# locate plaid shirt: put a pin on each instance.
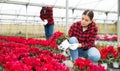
(86, 38)
(46, 13)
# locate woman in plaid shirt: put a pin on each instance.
(84, 32)
(46, 14)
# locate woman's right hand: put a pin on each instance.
(74, 46)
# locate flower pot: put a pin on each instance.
(104, 65)
(115, 65)
(119, 64)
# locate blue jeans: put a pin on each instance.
(48, 30)
(92, 53)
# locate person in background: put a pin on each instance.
(46, 15)
(84, 32)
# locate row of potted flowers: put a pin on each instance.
(25, 58)
(110, 54)
(20, 54)
(107, 37)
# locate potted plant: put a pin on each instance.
(115, 59)
(82, 64)
(104, 57)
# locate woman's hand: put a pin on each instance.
(79, 45)
(74, 46)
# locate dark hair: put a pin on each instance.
(89, 13)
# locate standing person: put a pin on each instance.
(84, 32)
(46, 15)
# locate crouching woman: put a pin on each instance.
(84, 32)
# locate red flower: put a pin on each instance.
(118, 48)
(56, 35)
(110, 49)
(80, 62)
(104, 53)
(60, 57)
(87, 65)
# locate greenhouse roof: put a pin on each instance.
(18, 10)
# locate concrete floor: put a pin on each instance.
(111, 69)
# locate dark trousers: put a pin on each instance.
(48, 30)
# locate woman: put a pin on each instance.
(46, 15)
(84, 32)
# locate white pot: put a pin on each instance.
(115, 64)
(104, 65)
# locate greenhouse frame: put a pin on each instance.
(20, 22)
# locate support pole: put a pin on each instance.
(26, 23)
(118, 23)
(67, 17)
(106, 29)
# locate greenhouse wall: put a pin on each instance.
(37, 30)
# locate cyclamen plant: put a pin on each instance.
(87, 65)
(21, 57)
(104, 55)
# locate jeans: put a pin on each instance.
(48, 30)
(92, 53)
